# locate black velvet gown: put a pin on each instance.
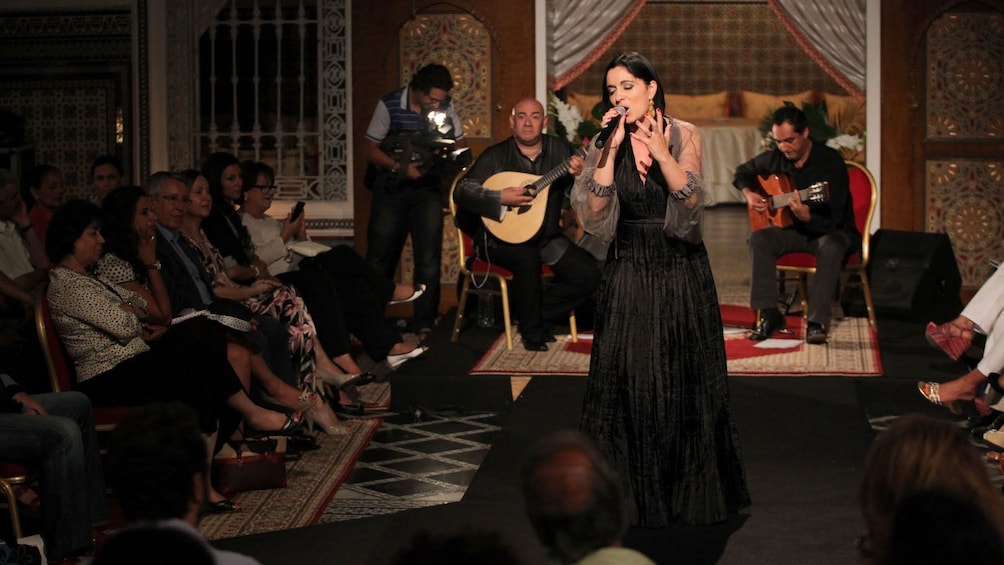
(657, 397)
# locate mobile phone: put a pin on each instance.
(297, 210)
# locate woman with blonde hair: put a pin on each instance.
(920, 454)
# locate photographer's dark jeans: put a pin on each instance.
(418, 211)
(63, 447)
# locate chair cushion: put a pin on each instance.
(799, 260)
(12, 469)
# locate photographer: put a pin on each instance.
(406, 176)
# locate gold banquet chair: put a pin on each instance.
(864, 193)
(476, 274)
(12, 474)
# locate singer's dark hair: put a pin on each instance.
(639, 67)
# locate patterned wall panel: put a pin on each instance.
(67, 122)
(702, 47)
(965, 199)
(85, 57)
(965, 76)
(463, 45)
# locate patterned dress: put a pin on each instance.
(657, 398)
(282, 303)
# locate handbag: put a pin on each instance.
(250, 464)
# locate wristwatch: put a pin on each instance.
(154, 265)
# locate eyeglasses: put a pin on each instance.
(175, 198)
(266, 188)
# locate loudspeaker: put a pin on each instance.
(914, 276)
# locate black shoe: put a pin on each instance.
(531, 344)
(815, 333)
(770, 321)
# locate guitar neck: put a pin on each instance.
(554, 174)
(781, 200)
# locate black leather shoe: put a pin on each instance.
(530, 344)
(770, 321)
(222, 506)
(815, 333)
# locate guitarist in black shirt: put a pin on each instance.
(486, 193)
(825, 229)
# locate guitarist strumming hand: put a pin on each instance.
(510, 204)
(824, 228)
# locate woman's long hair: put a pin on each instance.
(921, 454)
(223, 211)
(640, 67)
(118, 211)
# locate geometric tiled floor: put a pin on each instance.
(411, 464)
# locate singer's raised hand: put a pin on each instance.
(654, 134)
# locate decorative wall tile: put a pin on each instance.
(965, 76)
(965, 199)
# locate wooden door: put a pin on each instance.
(943, 125)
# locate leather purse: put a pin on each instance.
(250, 464)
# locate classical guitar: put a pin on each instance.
(778, 190)
(522, 223)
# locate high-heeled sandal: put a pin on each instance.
(294, 422)
(395, 361)
(931, 391)
(419, 291)
(321, 416)
(942, 338)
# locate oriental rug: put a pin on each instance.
(311, 484)
(851, 350)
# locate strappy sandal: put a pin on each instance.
(931, 391)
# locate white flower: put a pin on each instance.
(844, 140)
(567, 115)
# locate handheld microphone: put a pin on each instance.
(601, 139)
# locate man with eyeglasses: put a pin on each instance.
(825, 229)
(407, 193)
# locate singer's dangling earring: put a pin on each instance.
(651, 108)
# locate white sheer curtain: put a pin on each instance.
(579, 31)
(833, 33)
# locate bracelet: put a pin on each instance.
(687, 189)
(257, 273)
(598, 189)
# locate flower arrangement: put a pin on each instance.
(567, 122)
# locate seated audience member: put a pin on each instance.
(43, 192)
(467, 548)
(266, 297)
(54, 433)
(188, 284)
(955, 338)
(154, 546)
(106, 176)
(22, 254)
(119, 360)
(935, 528)
(130, 261)
(918, 454)
(158, 473)
(362, 293)
(575, 502)
(23, 276)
